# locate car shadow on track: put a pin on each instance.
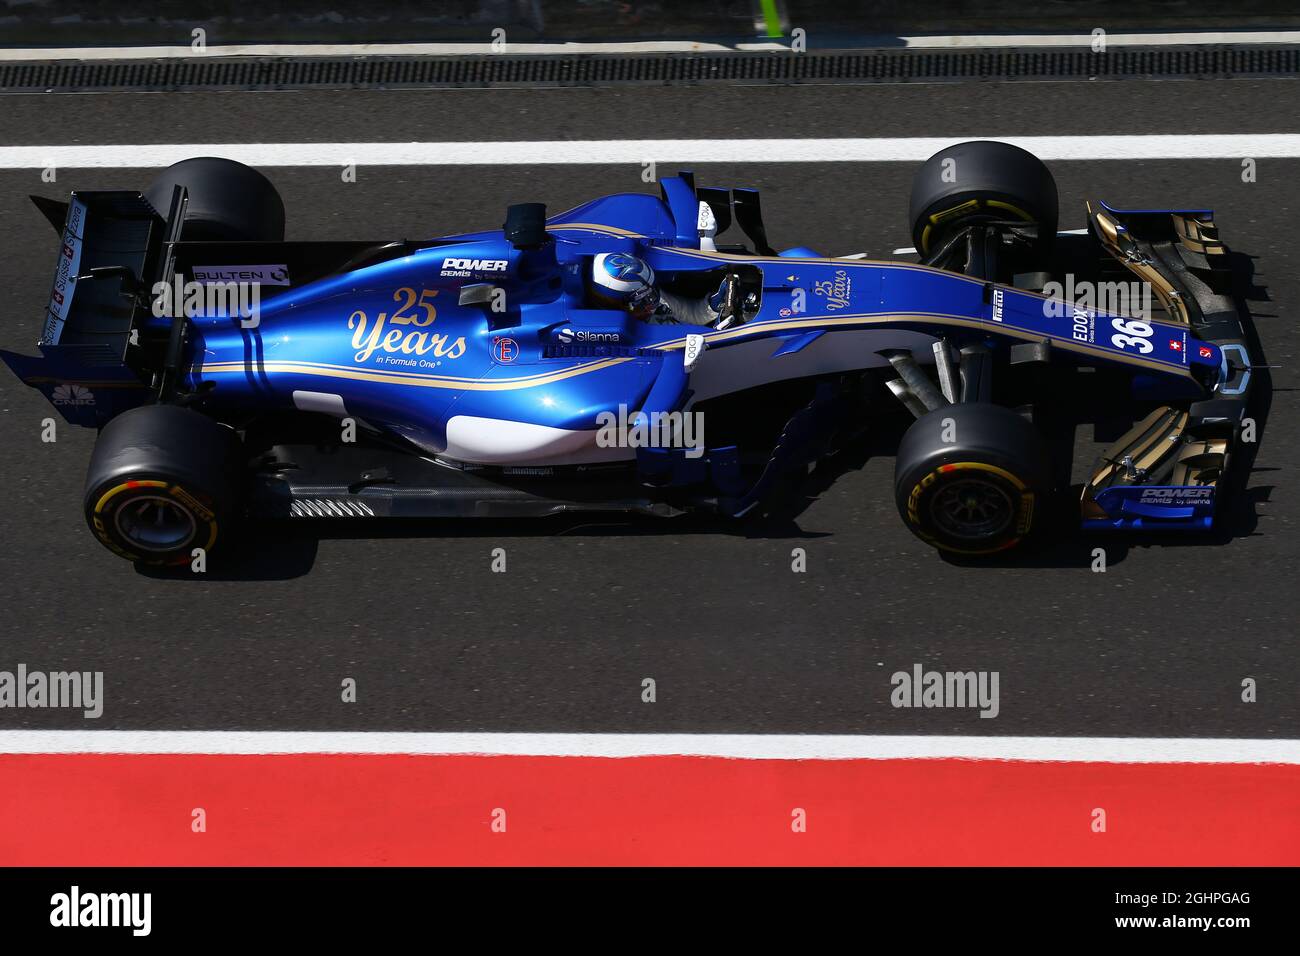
(1068, 546)
(283, 549)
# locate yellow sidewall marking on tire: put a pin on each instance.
(999, 204)
(184, 496)
(126, 486)
(980, 466)
(969, 205)
(1024, 514)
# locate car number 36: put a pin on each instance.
(1132, 336)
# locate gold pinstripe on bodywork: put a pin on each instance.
(752, 329)
(824, 260)
(596, 227)
(937, 318)
(929, 318)
(414, 379)
(712, 338)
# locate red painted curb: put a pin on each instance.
(342, 810)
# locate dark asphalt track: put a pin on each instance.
(1157, 646)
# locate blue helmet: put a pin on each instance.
(622, 281)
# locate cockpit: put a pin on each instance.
(719, 298)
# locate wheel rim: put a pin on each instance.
(154, 523)
(972, 509)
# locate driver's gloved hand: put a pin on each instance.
(726, 303)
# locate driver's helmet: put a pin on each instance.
(620, 280)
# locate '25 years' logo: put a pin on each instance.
(417, 311)
(836, 290)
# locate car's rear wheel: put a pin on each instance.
(163, 481)
(971, 479)
(228, 201)
(980, 181)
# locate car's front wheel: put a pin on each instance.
(980, 181)
(971, 479)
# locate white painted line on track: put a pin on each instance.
(618, 151)
(866, 42)
(1085, 38)
(736, 746)
(369, 49)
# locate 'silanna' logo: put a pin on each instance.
(67, 394)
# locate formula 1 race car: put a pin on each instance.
(232, 373)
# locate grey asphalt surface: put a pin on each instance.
(1156, 646)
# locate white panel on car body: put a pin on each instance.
(692, 351)
(327, 402)
(498, 441)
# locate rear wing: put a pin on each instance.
(115, 231)
(114, 247)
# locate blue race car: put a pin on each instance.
(618, 356)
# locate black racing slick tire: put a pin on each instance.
(163, 481)
(980, 180)
(228, 201)
(971, 479)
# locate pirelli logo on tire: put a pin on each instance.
(197, 525)
(944, 215)
(125, 486)
(914, 499)
(199, 509)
